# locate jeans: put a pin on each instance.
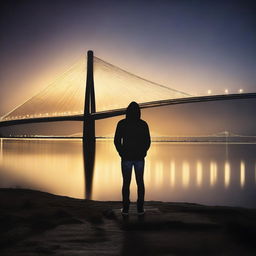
(127, 173)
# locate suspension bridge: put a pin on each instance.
(106, 93)
(94, 89)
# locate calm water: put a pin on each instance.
(212, 174)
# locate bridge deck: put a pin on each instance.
(117, 112)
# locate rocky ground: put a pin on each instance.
(38, 223)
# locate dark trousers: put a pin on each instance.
(127, 174)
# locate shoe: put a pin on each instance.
(141, 212)
(124, 212)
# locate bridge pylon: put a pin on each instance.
(89, 127)
(89, 103)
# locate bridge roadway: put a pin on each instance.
(117, 112)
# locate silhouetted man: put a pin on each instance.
(132, 141)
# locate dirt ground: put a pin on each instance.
(38, 223)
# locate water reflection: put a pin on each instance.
(159, 174)
(199, 173)
(1, 149)
(185, 174)
(242, 174)
(49, 165)
(89, 160)
(227, 174)
(172, 174)
(213, 175)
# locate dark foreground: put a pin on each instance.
(38, 223)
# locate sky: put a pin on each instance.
(191, 46)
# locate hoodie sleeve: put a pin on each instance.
(118, 138)
(147, 137)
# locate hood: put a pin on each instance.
(133, 111)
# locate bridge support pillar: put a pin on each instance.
(89, 128)
(89, 104)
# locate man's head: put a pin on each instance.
(133, 111)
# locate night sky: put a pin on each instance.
(192, 46)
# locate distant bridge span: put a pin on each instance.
(118, 112)
(89, 115)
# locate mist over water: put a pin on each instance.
(212, 174)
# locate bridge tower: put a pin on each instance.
(89, 103)
(89, 127)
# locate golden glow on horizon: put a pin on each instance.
(65, 96)
(185, 75)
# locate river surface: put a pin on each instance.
(205, 173)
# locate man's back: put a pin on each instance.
(132, 139)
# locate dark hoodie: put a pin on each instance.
(132, 138)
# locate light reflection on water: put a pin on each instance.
(213, 174)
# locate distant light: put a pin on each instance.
(209, 91)
(241, 90)
(226, 90)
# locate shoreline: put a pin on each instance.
(100, 139)
(40, 223)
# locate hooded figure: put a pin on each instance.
(132, 141)
(133, 112)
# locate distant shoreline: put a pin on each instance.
(194, 139)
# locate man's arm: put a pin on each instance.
(147, 137)
(118, 139)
